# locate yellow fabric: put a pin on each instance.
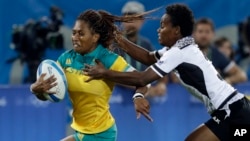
(90, 100)
(90, 103)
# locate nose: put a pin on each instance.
(75, 37)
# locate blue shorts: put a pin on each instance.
(108, 135)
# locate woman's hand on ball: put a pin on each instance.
(42, 85)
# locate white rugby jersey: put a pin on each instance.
(196, 73)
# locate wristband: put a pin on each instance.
(138, 95)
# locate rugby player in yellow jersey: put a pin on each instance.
(92, 34)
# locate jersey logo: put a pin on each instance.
(216, 119)
(68, 62)
(80, 136)
(160, 62)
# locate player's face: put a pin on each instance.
(203, 35)
(83, 39)
(167, 33)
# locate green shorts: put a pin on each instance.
(108, 135)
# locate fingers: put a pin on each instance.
(145, 114)
(142, 107)
(50, 92)
(148, 117)
(138, 115)
(50, 80)
(89, 79)
(51, 86)
(87, 66)
(41, 78)
(43, 85)
(86, 69)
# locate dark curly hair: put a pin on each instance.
(103, 23)
(181, 16)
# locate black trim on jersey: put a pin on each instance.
(157, 55)
(159, 70)
(227, 99)
(192, 75)
(185, 46)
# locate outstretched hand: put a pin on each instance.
(94, 72)
(43, 85)
(142, 107)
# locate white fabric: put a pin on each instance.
(187, 55)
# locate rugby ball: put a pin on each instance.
(50, 67)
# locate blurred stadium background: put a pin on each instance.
(24, 118)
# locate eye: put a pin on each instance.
(81, 33)
(161, 25)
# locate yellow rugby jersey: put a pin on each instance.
(90, 100)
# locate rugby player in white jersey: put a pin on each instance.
(181, 54)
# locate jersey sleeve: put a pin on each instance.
(115, 62)
(159, 53)
(121, 65)
(61, 60)
(169, 61)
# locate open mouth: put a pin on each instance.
(76, 45)
(159, 37)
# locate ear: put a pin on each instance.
(178, 30)
(96, 37)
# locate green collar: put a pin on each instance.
(94, 52)
(89, 57)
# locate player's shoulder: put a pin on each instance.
(65, 56)
(107, 57)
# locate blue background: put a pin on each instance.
(24, 118)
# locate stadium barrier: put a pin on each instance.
(24, 118)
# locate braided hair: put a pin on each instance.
(103, 23)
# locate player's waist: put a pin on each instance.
(233, 97)
(90, 126)
(222, 114)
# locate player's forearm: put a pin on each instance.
(127, 78)
(137, 52)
